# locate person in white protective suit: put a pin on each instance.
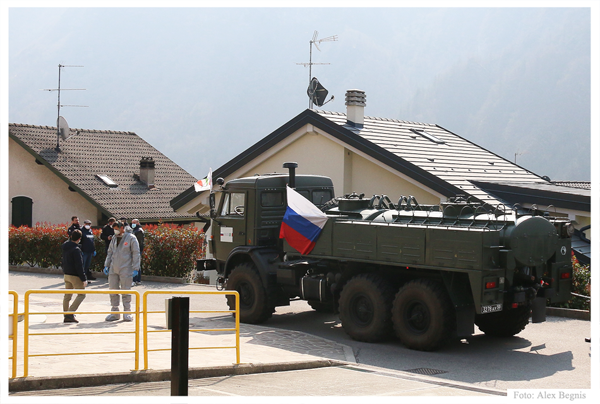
(122, 260)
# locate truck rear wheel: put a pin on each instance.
(506, 323)
(365, 308)
(254, 307)
(423, 315)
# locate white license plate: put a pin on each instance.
(491, 308)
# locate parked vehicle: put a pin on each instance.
(424, 273)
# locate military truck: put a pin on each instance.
(426, 274)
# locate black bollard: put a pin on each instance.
(180, 320)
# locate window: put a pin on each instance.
(22, 211)
(225, 207)
(233, 204)
(320, 197)
(107, 180)
(270, 199)
(304, 193)
(428, 136)
(237, 204)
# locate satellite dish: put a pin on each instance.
(316, 92)
(63, 128)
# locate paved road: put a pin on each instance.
(551, 355)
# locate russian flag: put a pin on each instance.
(302, 222)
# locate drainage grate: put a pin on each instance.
(426, 371)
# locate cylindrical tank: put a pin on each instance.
(532, 239)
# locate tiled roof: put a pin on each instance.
(541, 194)
(435, 157)
(114, 154)
(574, 184)
(446, 155)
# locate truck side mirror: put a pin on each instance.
(211, 201)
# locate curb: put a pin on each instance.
(143, 376)
(568, 313)
(57, 271)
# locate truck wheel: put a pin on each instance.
(504, 323)
(254, 306)
(423, 315)
(365, 308)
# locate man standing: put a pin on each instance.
(122, 259)
(108, 233)
(138, 232)
(74, 225)
(74, 276)
(88, 248)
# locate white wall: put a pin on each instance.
(351, 171)
(52, 201)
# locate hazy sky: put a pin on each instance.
(203, 84)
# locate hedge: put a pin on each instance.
(170, 250)
(581, 286)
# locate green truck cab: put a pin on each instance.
(425, 274)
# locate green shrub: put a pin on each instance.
(581, 286)
(169, 250)
(37, 246)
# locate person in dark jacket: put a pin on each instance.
(74, 225)
(138, 232)
(74, 275)
(88, 248)
(108, 232)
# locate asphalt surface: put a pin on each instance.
(273, 361)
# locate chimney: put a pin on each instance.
(147, 171)
(356, 100)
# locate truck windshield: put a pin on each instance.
(233, 204)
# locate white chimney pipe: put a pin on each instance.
(356, 100)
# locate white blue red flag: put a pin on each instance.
(302, 222)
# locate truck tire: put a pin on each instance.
(254, 307)
(423, 315)
(506, 323)
(365, 308)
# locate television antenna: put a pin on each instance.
(62, 128)
(310, 63)
(518, 153)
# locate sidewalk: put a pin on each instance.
(272, 361)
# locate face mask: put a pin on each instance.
(87, 226)
(133, 225)
(117, 232)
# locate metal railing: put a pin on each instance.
(15, 331)
(27, 334)
(138, 310)
(145, 313)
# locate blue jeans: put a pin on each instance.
(87, 261)
(138, 277)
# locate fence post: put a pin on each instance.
(180, 320)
